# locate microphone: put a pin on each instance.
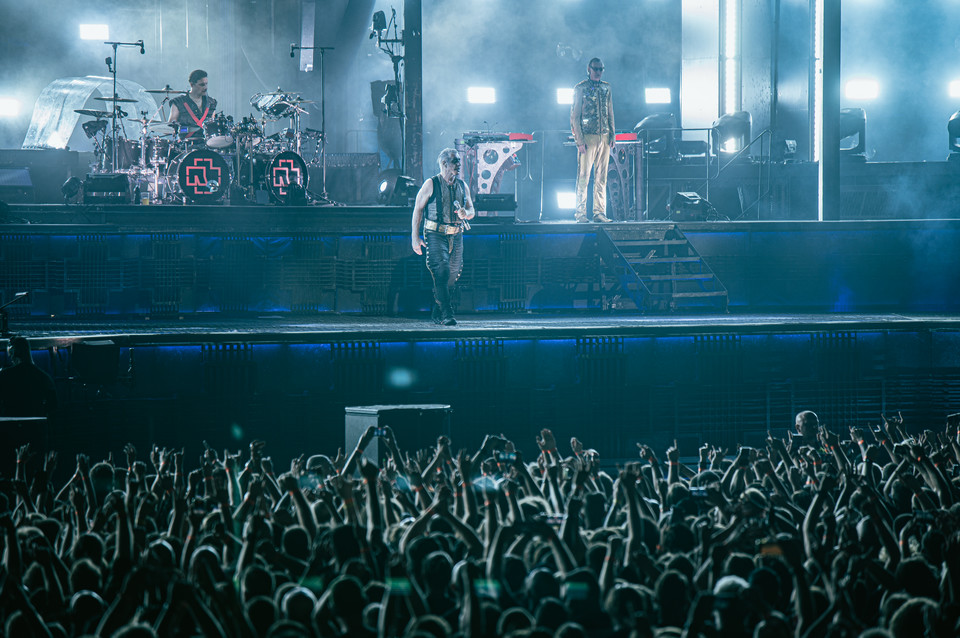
(293, 47)
(142, 51)
(463, 222)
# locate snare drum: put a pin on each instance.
(201, 175)
(218, 131)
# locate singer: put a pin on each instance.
(591, 121)
(190, 111)
(446, 219)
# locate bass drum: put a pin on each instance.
(286, 177)
(200, 175)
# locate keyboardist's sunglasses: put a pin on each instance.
(598, 69)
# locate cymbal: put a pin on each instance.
(114, 99)
(151, 122)
(166, 90)
(297, 100)
(92, 113)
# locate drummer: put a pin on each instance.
(190, 111)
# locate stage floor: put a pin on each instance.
(329, 328)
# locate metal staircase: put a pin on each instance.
(657, 269)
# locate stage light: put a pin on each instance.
(564, 96)
(657, 133)
(379, 21)
(953, 129)
(394, 189)
(730, 38)
(863, 89)
(657, 96)
(9, 107)
(853, 122)
(94, 32)
(731, 132)
(566, 200)
(954, 89)
(70, 189)
(481, 95)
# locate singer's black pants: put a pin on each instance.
(445, 262)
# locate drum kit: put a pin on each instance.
(169, 162)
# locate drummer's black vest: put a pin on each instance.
(188, 113)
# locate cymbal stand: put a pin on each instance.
(323, 197)
(112, 67)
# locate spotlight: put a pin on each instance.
(379, 21)
(391, 101)
(690, 207)
(564, 96)
(394, 189)
(657, 133)
(785, 150)
(731, 133)
(953, 130)
(70, 189)
(853, 123)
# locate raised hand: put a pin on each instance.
(546, 441)
(288, 482)
(464, 465)
(576, 446)
(131, 453)
(673, 453)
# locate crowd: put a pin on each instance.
(815, 535)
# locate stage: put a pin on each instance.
(171, 324)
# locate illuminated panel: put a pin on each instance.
(94, 32)
(9, 107)
(657, 95)
(481, 95)
(564, 96)
(566, 200)
(862, 89)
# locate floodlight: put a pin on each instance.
(481, 95)
(865, 89)
(564, 96)
(394, 189)
(566, 200)
(853, 122)
(9, 107)
(70, 188)
(94, 32)
(731, 132)
(657, 133)
(657, 95)
(953, 129)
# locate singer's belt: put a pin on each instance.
(443, 229)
